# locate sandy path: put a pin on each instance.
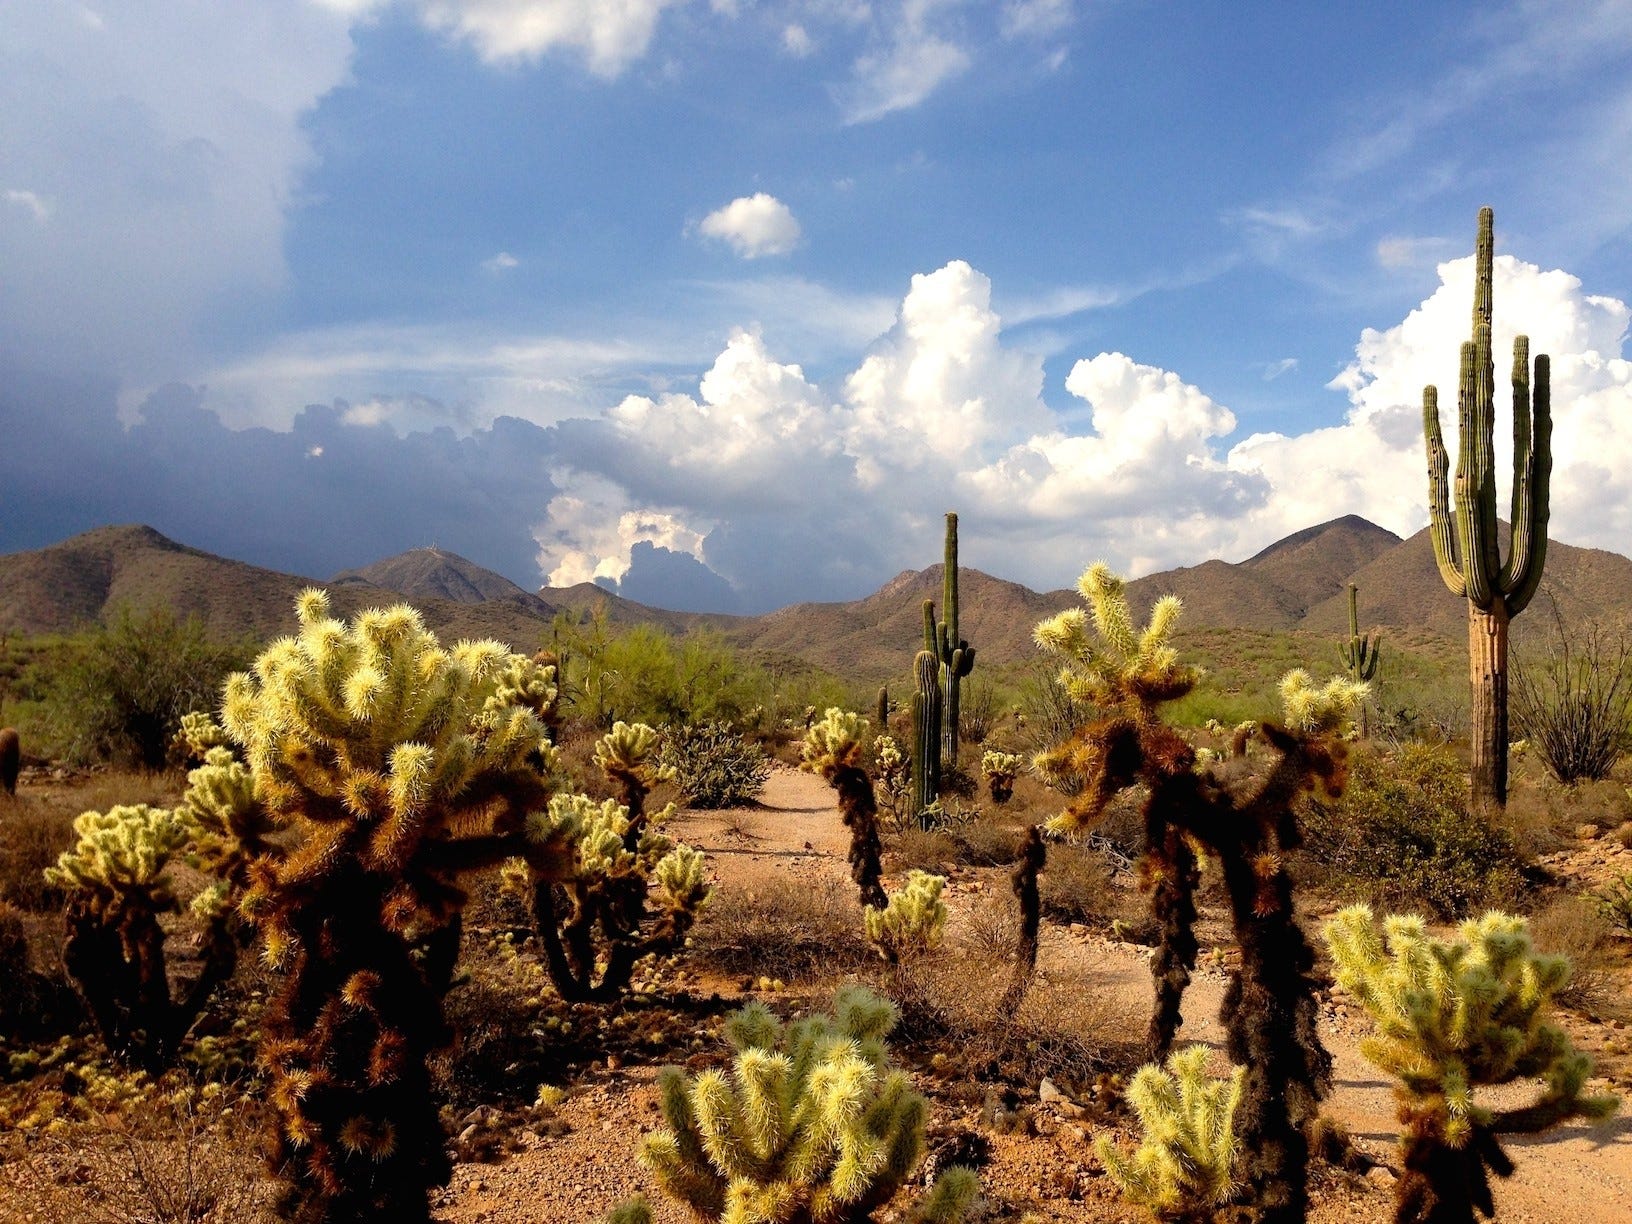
(1576, 1174)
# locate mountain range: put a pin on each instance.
(1298, 583)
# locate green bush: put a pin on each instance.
(1402, 835)
(714, 767)
(123, 687)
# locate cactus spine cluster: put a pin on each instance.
(955, 657)
(1184, 1169)
(811, 1124)
(1451, 1017)
(1464, 529)
(403, 767)
(926, 735)
(832, 748)
(1000, 769)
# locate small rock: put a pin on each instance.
(1588, 832)
(466, 1134)
(1048, 1092)
(1381, 1176)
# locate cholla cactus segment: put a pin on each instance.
(913, 922)
(199, 733)
(1319, 710)
(833, 742)
(628, 753)
(1454, 1015)
(123, 850)
(1185, 1165)
(810, 1123)
(1005, 765)
(1106, 660)
(682, 879)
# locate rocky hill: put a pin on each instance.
(1298, 583)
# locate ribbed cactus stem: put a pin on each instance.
(954, 655)
(1462, 518)
(1361, 651)
(926, 733)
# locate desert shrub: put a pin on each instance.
(924, 849)
(178, 1160)
(714, 767)
(1614, 902)
(1576, 929)
(791, 930)
(1402, 834)
(123, 687)
(985, 843)
(1076, 885)
(32, 835)
(1572, 699)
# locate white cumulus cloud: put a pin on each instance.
(609, 35)
(753, 226)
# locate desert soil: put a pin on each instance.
(1047, 1166)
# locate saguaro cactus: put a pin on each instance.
(1361, 651)
(1466, 547)
(954, 655)
(926, 735)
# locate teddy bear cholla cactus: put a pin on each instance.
(117, 883)
(832, 748)
(1249, 825)
(810, 1125)
(1453, 1016)
(1185, 1166)
(1000, 769)
(402, 767)
(913, 922)
(593, 920)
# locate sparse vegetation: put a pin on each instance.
(714, 766)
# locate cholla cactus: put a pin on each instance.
(892, 790)
(832, 748)
(117, 884)
(1185, 1167)
(810, 1125)
(1249, 824)
(627, 755)
(1453, 1016)
(914, 920)
(198, 733)
(1319, 710)
(1000, 770)
(592, 918)
(401, 766)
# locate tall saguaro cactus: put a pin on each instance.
(926, 735)
(1465, 546)
(955, 656)
(1360, 651)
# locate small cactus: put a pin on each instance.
(1000, 769)
(811, 1124)
(1451, 1017)
(914, 920)
(1185, 1167)
(832, 748)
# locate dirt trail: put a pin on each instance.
(1578, 1174)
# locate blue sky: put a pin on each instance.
(729, 301)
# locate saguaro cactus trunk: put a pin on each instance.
(954, 655)
(926, 735)
(1466, 546)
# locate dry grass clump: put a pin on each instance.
(1575, 927)
(792, 930)
(1543, 814)
(187, 1159)
(1076, 886)
(923, 850)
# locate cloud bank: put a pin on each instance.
(759, 486)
